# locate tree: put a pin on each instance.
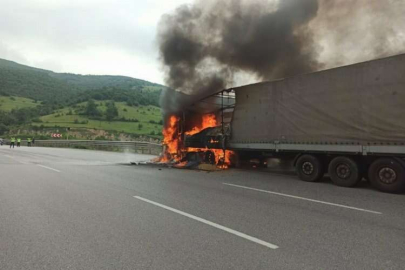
(140, 126)
(111, 111)
(91, 108)
(3, 128)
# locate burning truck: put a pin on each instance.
(198, 134)
(347, 122)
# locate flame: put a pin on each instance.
(174, 151)
(181, 164)
(208, 120)
(171, 139)
(222, 160)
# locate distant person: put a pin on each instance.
(1, 141)
(29, 142)
(33, 140)
(12, 142)
(18, 142)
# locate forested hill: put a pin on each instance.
(13, 65)
(37, 84)
(50, 87)
(101, 81)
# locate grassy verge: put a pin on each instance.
(10, 103)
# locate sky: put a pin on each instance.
(103, 37)
(118, 37)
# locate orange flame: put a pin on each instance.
(171, 139)
(208, 120)
(222, 160)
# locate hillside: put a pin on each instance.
(8, 104)
(139, 120)
(13, 65)
(23, 81)
(100, 81)
(38, 101)
(45, 85)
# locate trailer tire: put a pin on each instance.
(344, 172)
(387, 175)
(309, 168)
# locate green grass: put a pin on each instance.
(144, 114)
(126, 127)
(10, 103)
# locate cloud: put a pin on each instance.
(7, 53)
(119, 36)
(354, 31)
(84, 36)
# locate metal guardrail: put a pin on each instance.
(131, 146)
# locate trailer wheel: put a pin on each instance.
(309, 168)
(387, 175)
(344, 172)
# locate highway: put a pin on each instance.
(82, 209)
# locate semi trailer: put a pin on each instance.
(347, 122)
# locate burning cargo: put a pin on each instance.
(195, 138)
(348, 122)
(198, 132)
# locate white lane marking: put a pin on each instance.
(305, 199)
(49, 168)
(242, 235)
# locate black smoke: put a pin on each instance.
(205, 46)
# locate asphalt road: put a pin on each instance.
(80, 209)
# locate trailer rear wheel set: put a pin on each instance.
(386, 174)
(310, 168)
(344, 171)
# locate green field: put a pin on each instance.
(149, 118)
(10, 103)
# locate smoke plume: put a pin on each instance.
(211, 45)
(352, 31)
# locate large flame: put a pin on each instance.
(171, 140)
(208, 120)
(174, 151)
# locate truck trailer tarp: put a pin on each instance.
(360, 104)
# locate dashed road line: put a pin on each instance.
(215, 225)
(49, 168)
(210, 223)
(305, 199)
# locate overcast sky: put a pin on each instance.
(116, 37)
